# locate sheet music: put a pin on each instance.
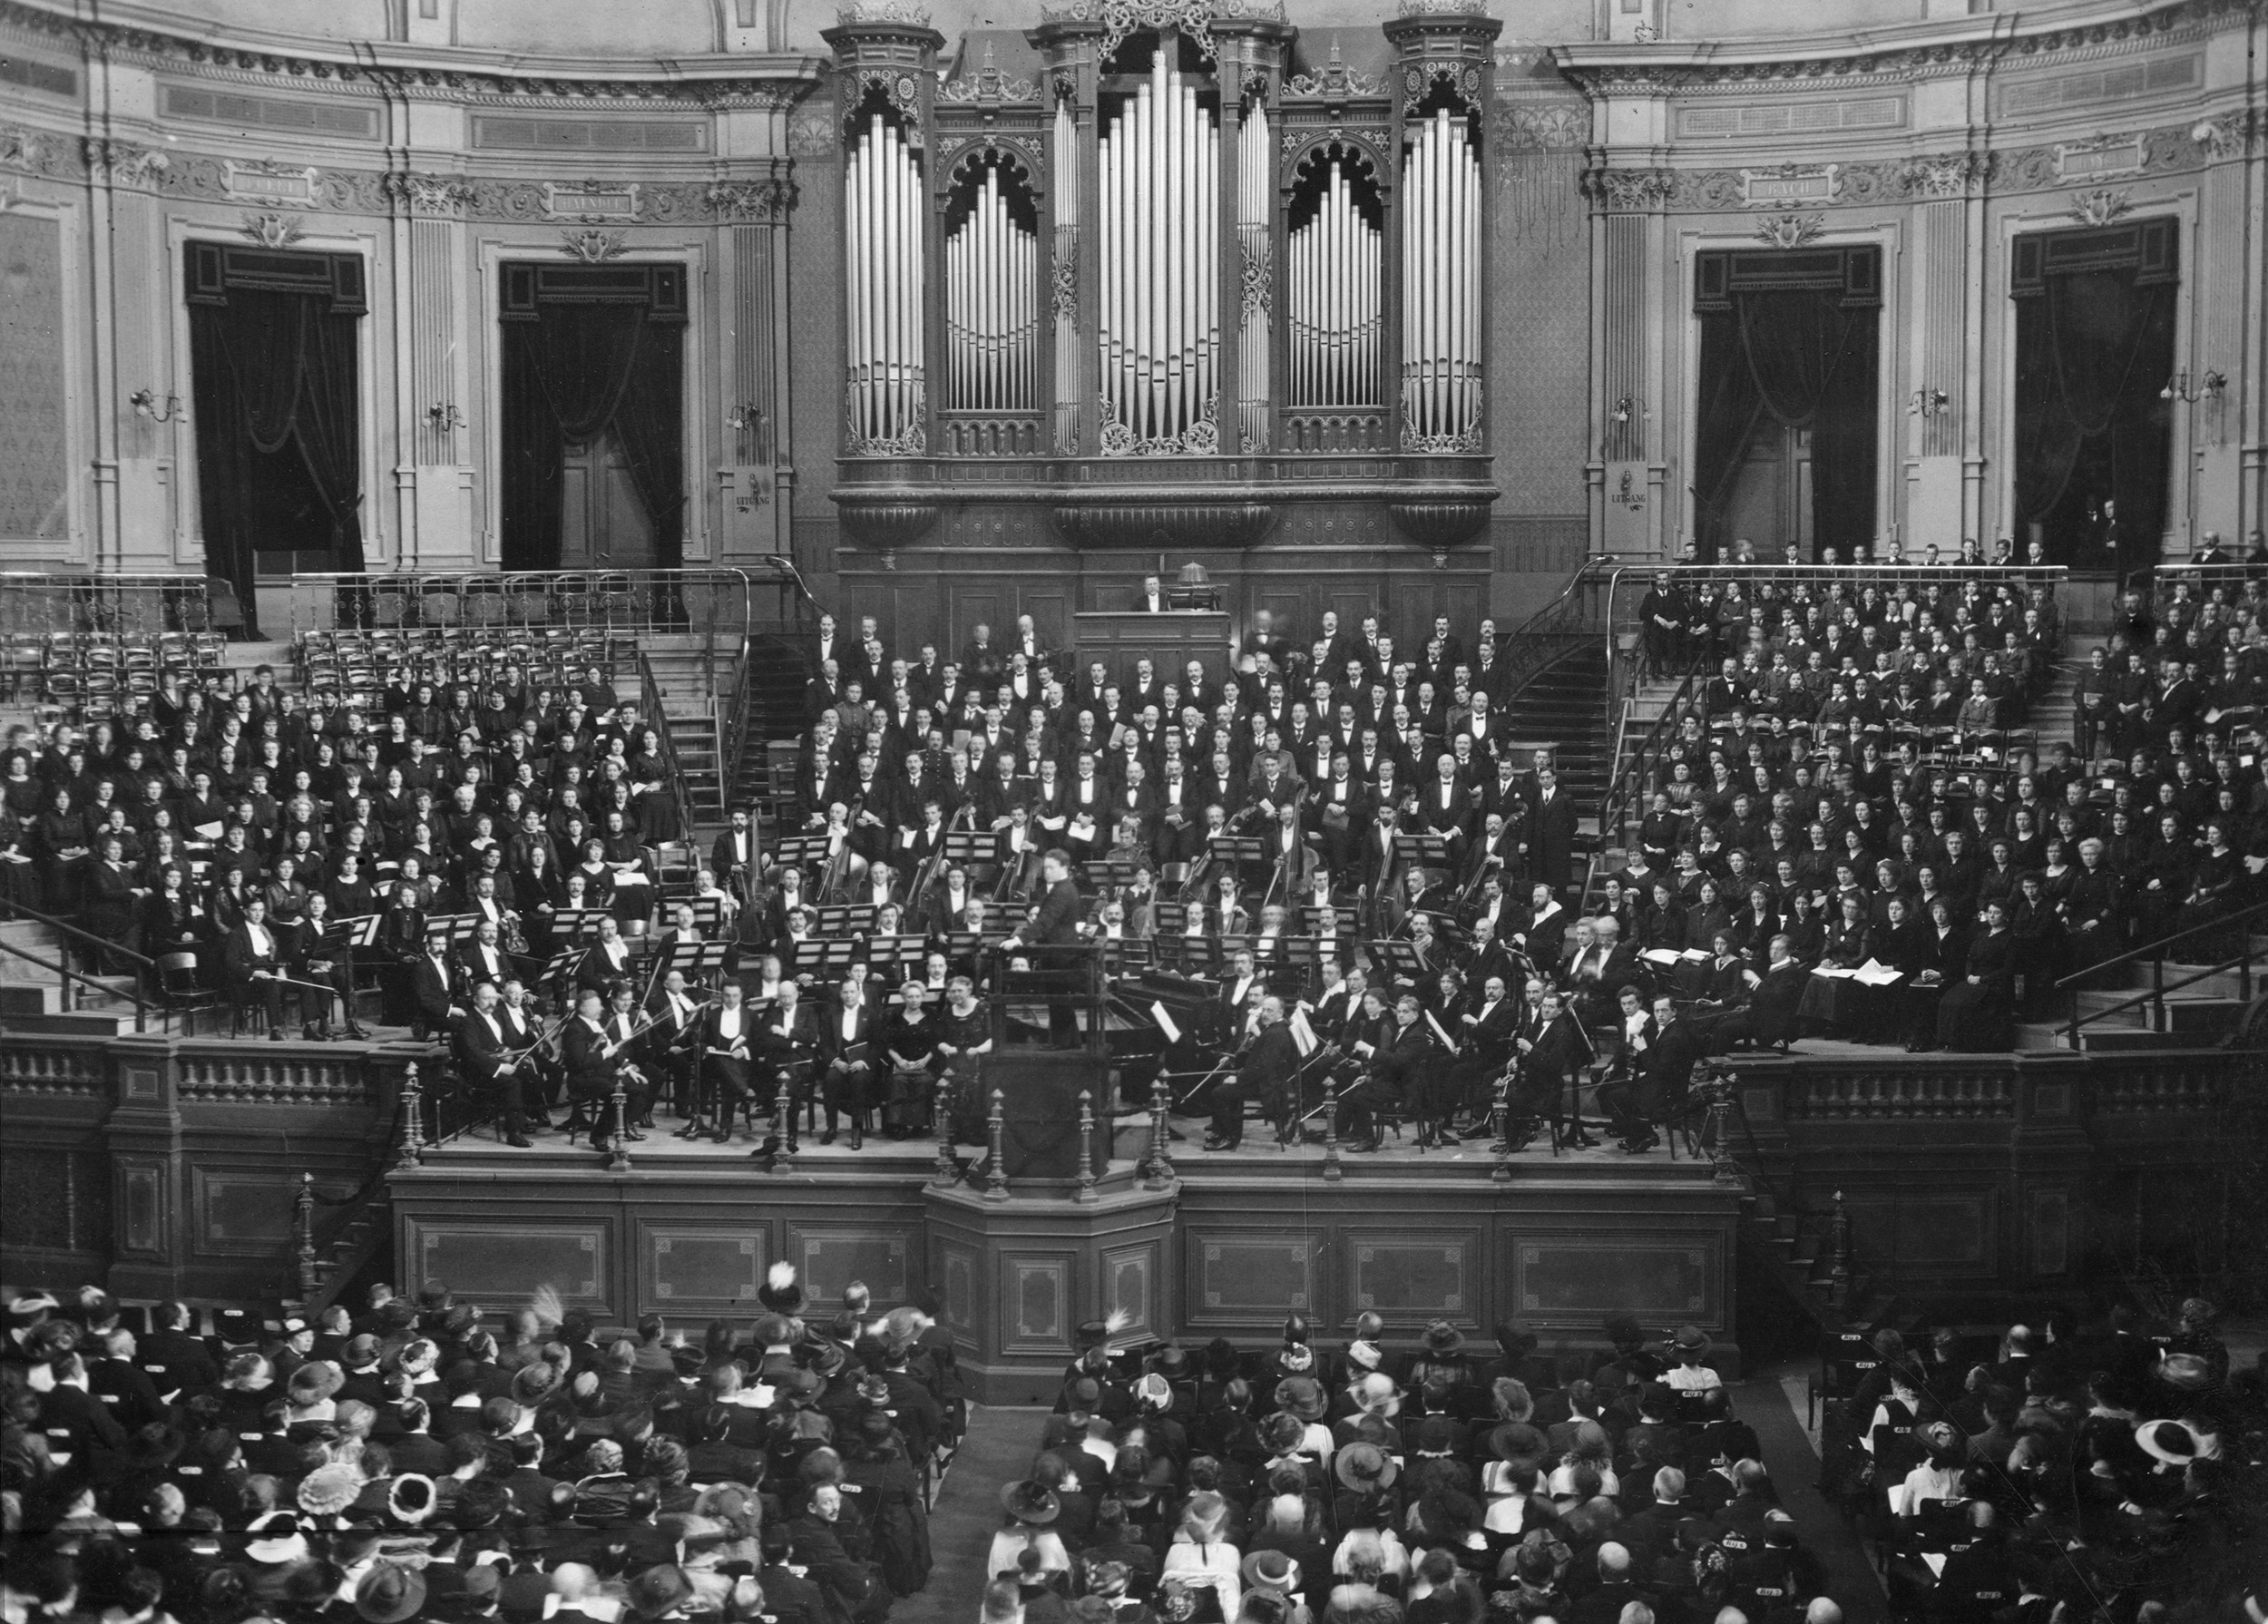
(1302, 1035)
(1165, 1021)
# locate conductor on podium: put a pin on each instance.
(1057, 926)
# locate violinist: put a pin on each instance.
(727, 1071)
(593, 1061)
(669, 1040)
(607, 960)
(483, 962)
(540, 1074)
(682, 932)
(946, 910)
(481, 1050)
(317, 966)
(624, 1027)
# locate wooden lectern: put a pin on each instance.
(1169, 641)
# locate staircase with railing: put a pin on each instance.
(42, 990)
(2193, 989)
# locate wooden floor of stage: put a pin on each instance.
(1257, 1158)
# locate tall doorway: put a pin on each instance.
(593, 417)
(1787, 413)
(276, 408)
(2095, 313)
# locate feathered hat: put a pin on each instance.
(781, 1292)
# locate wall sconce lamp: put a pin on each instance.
(747, 418)
(1929, 403)
(2209, 388)
(1628, 407)
(145, 405)
(443, 416)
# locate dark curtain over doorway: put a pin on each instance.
(1789, 336)
(276, 382)
(587, 349)
(2094, 344)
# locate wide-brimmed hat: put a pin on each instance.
(1692, 1339)
(1362, 1466)
(1027, 1501)
(276, 1537)
(1376, 1395)
(1270, 1571)
(1171, 1363)
(2176, 1442)
(1301, 1397)
(1205, 1517)
(1365, 1355)
(1518, 1444)
(2187, 1371)
(535, 1382)
(329, 1490)
(1512, 1400)
(411, 1498)
(361, 1352)
(1153, 1392)
(314, 1381)
(390, 1593)
(1442, 1337)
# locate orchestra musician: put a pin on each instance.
(593, 1060)
(669, 1045)
(1395, 1055)
(726, 1069)
(606, 960)
(433, 982)
(845, 1058)
(784, 1046)
(1265, 1074)
(479, 1046)
(253, 966)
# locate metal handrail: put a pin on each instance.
(1614, 806)
(2154, 993)
(627, 600)
(77, 933)
(65, 976)
(61, 601)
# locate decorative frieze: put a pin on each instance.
(123, 165)
(440, 197)
(1790, 183)
(2100, 155)
(263, 180)
(767, 201)
(1627, 191)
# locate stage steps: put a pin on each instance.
(2199, 1015)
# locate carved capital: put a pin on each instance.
(443, 197)
(122, 164)
(769, 200)
(1628, 191)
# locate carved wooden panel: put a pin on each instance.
(244, 1213)
(1246, 1274)
(1580, 1278)
(2049, 1233)
(1402, 1273)
(1130, 1286)
(694, 1267)
(33, 1211)
(505, 1262)
(141, 1204)
(830, 1258)
(957, 1265)
(1036, 1310)
(1953, 1232)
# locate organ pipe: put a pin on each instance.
(1336, 256)
(991, 325)
(882, 297)
(1440, 282)
(1159, 328)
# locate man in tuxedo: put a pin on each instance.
(478, 1045)
(483, 962)
(1551, 842)
(670, 1056)
(1770, 1017)
(734, 858)
(848, 1072)
(1485, 1034)
(726, 1073)
(593, 1060)
(1654, 1088)
(1057, 926)
(433, 987)
(785, 1043)
(1403, 1049)
(1153, 598)
(1267, 1068)
(252, 964)
(607, 960)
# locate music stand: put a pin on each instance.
(698, 959)
(1342, 918)
(577, 925)
(1172, 918)
(842, 919)
(800, 851)
(1127, 952)
(708, 913)
(1428, 851)
(1101, 872)
(560, 970)
(814, 958)
(1400, 960)
(965, 846)
(904, 952)
(1244, 851)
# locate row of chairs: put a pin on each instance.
(98, 674)
(360, 663)
(602, 598)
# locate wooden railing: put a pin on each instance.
(141, 997)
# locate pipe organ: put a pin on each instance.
(1440, 283)
(883, 218)
(992, 320)
(1157, 321)
(1165, 231)
(1336, 260)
